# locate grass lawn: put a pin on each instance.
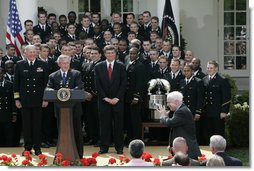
(240, 153)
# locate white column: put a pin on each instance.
(160, 9)
(105, 9)
(28, 9)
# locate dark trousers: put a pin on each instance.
(92, 120)
(17, 129)
(133, 119)
(107, 114)
(213, 126)
(6, 137)
(48, 123)
(31, 121)
(76, 116)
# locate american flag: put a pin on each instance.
(14, 33)
(169, 29)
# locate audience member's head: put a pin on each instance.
(136, 148)
(181, 159)
(179, 145)
(215, 160)
(217, 144)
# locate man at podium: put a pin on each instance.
(66, 77)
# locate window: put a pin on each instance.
(235, 37)
(88, 5)
(105, 7)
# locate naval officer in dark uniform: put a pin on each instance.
(30, 80)
(217, 101)
(7, 111)
(192, 89)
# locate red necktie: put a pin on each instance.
(109, 71)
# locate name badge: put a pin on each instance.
(25, 70)
(39, 69)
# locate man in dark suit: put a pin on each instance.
(10, 55)
(181, 123)
(110, 80)
(197, 69)
(175, 76)
(31, 78)
(217, 146)
(217, 101)
(7, 111)
(179, 145)
(91, 105)
(192, 89)
(136, 82)
(86, 27)
(42, 29)
(69, 78)
(71, 36)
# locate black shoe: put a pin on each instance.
(37, 152)
(103, 151)
(44, 145)
(24, 152)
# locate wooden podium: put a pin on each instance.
(66, 144)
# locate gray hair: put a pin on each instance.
(63, 58)
(179, 140)
(29, 47)
(175, 95)
(218, 142)
(215, 160)
(136, 148)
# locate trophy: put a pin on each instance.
(158, 98)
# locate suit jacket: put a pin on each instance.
(73, 80)
(217, 95)
(183, 125)
(171, 161)
(110, 88)
(7, 105)
(193, 94)
(174, 83)
(30, 82)
(200, 74)
(43, 34)
(230, 161)
(138, 162)
(68, 38)
(135, 81)
(89, 34)
(15, 59)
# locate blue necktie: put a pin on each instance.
(64, 78)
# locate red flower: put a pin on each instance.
(202, 157)
(170, 156)
(112, 161)
(92, 161)
(95, 154)
(25, 162)
(66, 163)
(127, 160)
(84, 162)
(41, 156)
(121, 157)
(157, 162)
(13, 156)
(147, 157)
(26, 153)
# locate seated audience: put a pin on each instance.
(136, 149)
(215, 160)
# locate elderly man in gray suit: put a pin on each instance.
(181, 123)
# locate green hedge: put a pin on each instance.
(237, 123)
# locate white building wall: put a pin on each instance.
(200, 28)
